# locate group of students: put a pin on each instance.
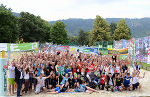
(57, 72)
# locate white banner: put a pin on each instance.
(3, 46)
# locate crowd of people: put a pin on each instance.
(57, 72)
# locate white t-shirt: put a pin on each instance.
(111, 70)
(135, 80)
(41, 81)
(11, 72)
(21, 76)
(26, 75)
(118, 69)
(110, 82)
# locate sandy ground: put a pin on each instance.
(145, 90)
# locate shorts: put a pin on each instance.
(126, 85)
(135, 86)
(57, 89)
(11, 81)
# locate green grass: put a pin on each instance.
(144, 64)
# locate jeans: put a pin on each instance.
(31, 81)
(47, 82)
(19, 86)
(35, 83)
(26, 86)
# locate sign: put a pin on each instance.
(75, 49)
(90, 50)
(3, 46)
(100, 46)
(118, 51)
(24, 47)
(109, 46)
(3, 77)
(62, 48)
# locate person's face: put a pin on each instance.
(110, 75)
(78, 85)
(78, 76)
(66, 75)
(40, 76)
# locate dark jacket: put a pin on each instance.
(17, 74)
(108, 78)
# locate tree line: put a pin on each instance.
(31, 28)
(102, 31)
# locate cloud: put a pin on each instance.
(63, 9)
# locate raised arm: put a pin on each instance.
(142, 76)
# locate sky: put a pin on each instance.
(51, 10)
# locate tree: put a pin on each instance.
(58, 33)
(33, 28)
(9, 29)
(83, 38)
(122, 31)
(113, 26)
(100, 31)
(73, 40)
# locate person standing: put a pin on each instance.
(11, 77)
(18, 79)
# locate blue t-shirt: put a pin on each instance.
(68, 70)
(127, 80)
(64, 80)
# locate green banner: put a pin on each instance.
(24, 46)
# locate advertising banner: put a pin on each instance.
(118, 51)
(91, 50)
(3, 77)
(148, 61)
(75, 49)
(3, 46)
(62, 48)
(24, 46)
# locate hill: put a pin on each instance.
(138, 27)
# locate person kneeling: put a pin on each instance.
(110, 82)
(40, 83)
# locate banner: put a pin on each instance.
(3, 77)
(24, 47)
(62, 48)
(118, 51)
(75, 49)
(91, 50)
(148, 61)
(3, 46)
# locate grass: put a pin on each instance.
(144, 64)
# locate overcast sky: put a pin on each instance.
(64, 9)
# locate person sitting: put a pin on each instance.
(62, 88)
(84, 88)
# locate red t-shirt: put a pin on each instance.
(78, 68)
(103, 80)
(74, 70)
